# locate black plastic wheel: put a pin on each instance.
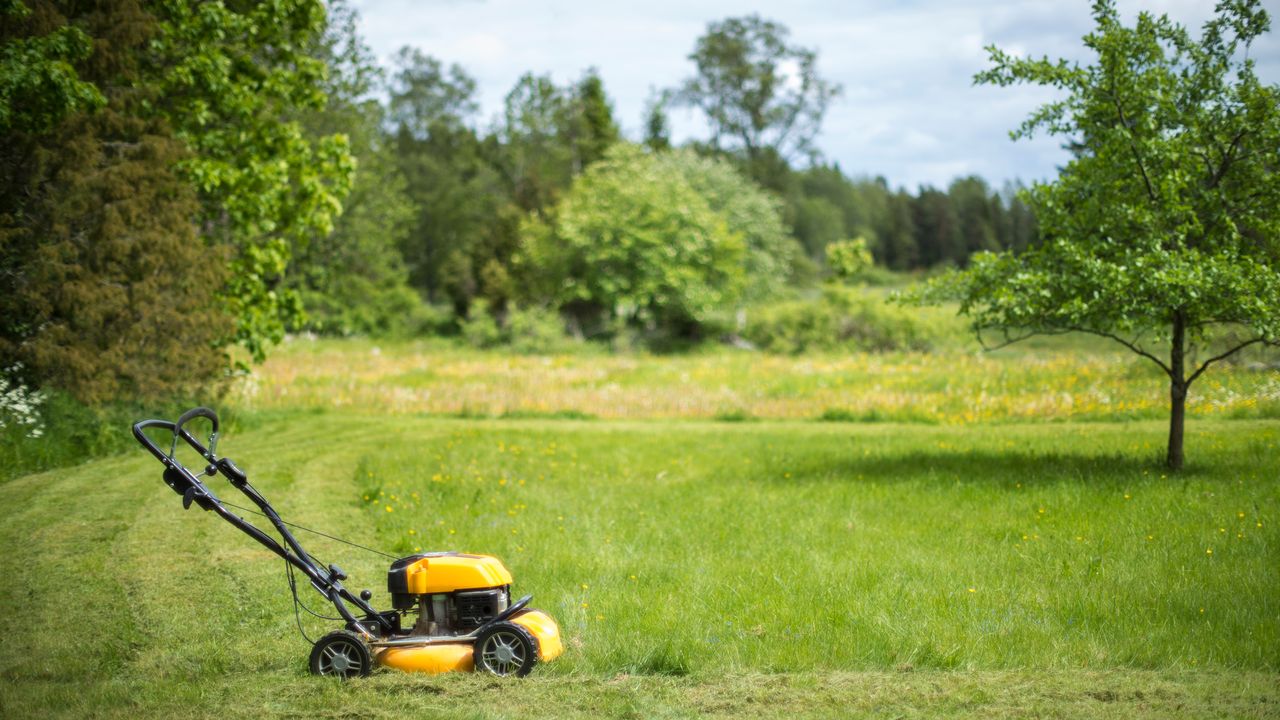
(505, 649)
(341, 654)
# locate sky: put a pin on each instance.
(909, 111)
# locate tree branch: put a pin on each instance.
(1011, 340)
(1223, 356)
(1137, 156)
(1135, 348)
(1031, 333)
(1226, 159)
(1204, 158)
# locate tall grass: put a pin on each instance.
(69, 432)
(954, 386)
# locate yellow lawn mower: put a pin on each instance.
(450, 611)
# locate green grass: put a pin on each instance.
(697, 568)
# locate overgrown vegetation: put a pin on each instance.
(1056, 380)
(842, 318)
(53, 430)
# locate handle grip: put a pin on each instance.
(179, 432)
(194, 413)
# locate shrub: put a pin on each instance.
(71, 432)
(840, 319)
(361, 307)
(534, 330)
(479, 328)
(523, 330)
(848, 259)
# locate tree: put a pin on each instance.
(937, 228)
(634, 241)
(427, 97)
(536, 161)
(354, 279)
(753, 215)
(462, 216)
(39, 85)
(1018, 227)
(230, 79)
(1164, 229)
(897, 235)
(759, 92)
(657, 129)
(591, 128)
(979, 213)
(106, 291)
(817, 222)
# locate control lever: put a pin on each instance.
(233, 472)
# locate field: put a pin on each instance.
(1020, 563)
(1054, 380)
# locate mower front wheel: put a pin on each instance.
(506, 648)
(341, 654)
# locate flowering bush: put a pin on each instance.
(19, 405)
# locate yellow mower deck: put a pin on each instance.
(451, 657)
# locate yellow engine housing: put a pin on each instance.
(448, 572)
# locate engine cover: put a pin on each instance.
(445, 572)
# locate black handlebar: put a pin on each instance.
(194, 413)
(146, 442)
(188, 484)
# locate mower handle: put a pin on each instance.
(194, 413)
(324, 581)
(178, 431)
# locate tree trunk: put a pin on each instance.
(1177, 417)
(1177, 392)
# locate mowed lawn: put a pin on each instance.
(697, 569)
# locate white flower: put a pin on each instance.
(19, 405)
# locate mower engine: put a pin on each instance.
(465, 618)
(452, 593)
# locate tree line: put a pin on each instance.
(183, 184)
(465, 185)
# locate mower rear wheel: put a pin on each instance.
(341, 654)
(506, 648)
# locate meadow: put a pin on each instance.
(1004, 566)
(1054, 379)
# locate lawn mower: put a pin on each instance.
(450, 611)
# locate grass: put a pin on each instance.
(697, 568)
(1056, 379)
(719, 533)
